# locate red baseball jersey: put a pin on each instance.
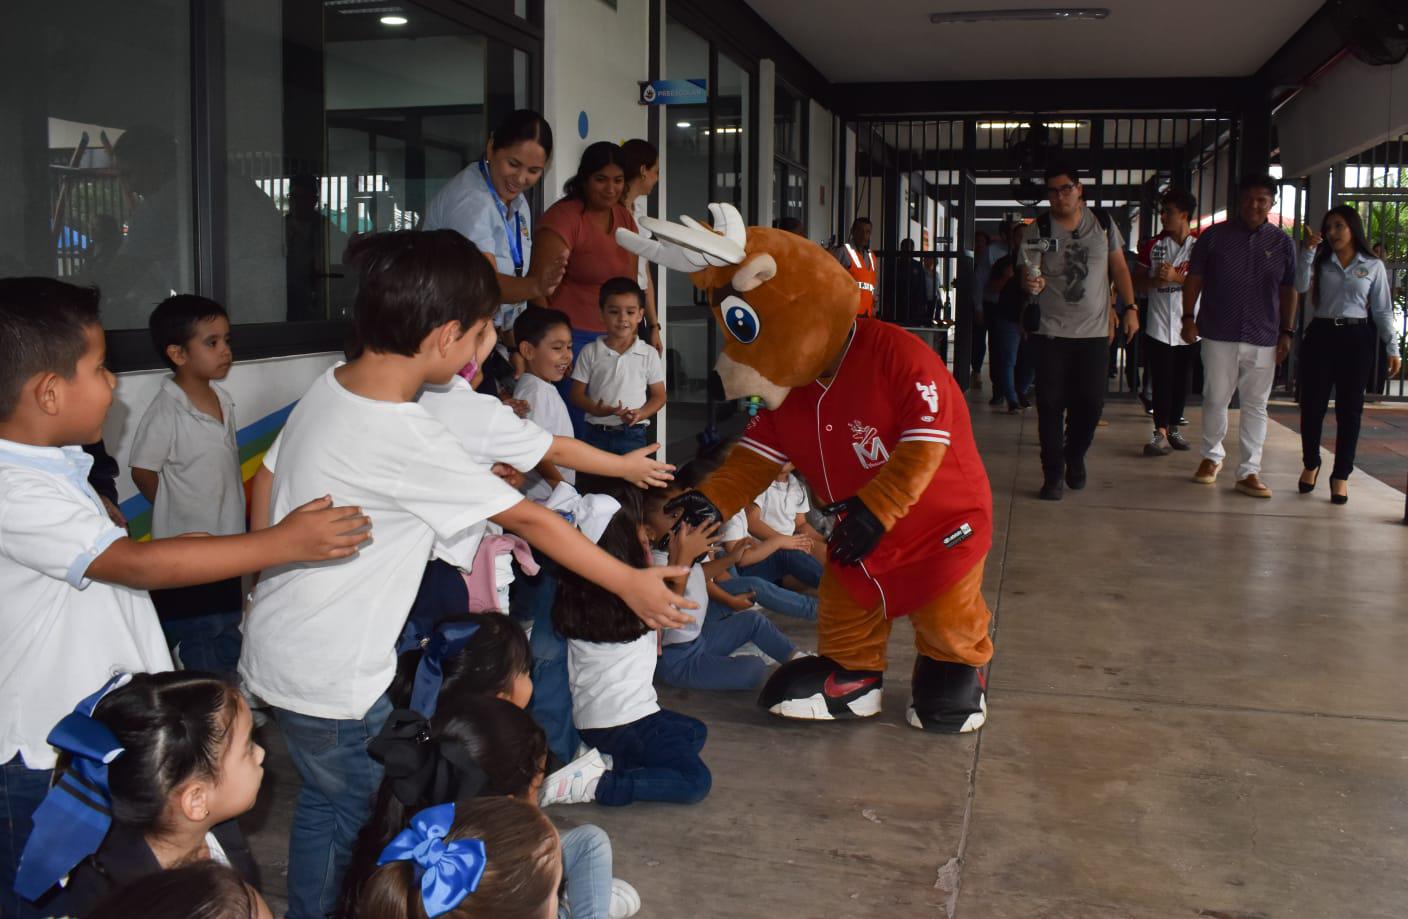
(890, 388)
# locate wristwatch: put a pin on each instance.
(1289, 332)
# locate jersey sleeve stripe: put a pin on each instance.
(926, 439)
(939, 431)
(762, 450)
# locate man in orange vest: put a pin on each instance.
(856, 257)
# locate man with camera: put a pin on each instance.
(1071, 257)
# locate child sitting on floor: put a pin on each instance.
(781, 512)
(641, 752)
(181, 765)
(697, 656)
(205, 889)
(491, 858)
(185, 461)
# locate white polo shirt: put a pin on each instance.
(64, 636)
(320, 638)
(197, 461)
(491, 433)
(696, 588)
(612, 683)
(547, 410)
(617, 377)
(781, 503)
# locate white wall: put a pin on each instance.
(821, 184)
(1352, 107)
(593, 58)
(258, 388)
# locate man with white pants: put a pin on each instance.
(1244, 269)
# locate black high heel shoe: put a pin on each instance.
(1307, 488)
(1339, 499)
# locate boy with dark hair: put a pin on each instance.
(319, 640)
(185, 460)
(1163, 263)
(619, 381)
(544, 342)
(76, 608)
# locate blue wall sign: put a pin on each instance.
(674, 92)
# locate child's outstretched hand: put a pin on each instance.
(644, 471)
(318, 531)
(653, 602)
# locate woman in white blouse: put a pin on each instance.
(1349, 293)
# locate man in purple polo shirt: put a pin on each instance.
(1245, 271)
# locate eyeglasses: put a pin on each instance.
(1054, 190)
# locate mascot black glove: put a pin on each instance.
(856, 534)
(694, 509)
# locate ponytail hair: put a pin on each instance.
(595, 158)
(474, 746)
(523, 870)
(636, 156)
(487, 665)
(519, 126)
(174, 727)
(585, 610)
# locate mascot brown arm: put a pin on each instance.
(900, 482)
(742, 477)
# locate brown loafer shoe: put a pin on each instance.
(1253, 486)
(1207, 472)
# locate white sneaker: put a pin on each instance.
(574, 783)
(752, 650)
(583, 750)
(625, 902)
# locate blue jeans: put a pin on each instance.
(801, 565)
(21, 791)
(586, 873)
(770, 596)
(580, 339)
(210, 642)
(653, 759)
(551, 705)
(619, 440)
(340, 780)
(704, 663)
(1012, 379)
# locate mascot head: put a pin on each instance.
(784, 303)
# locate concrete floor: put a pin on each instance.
(1196, 711)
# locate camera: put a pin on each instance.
(1042, 244)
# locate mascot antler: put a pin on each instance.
(690, 246)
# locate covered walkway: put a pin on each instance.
(1196, 710)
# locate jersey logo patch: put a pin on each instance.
(930, 394)
(963, 532)
(870, 449)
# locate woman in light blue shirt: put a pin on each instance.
(486, 203)
(1349, 294)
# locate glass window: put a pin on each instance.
(787, 125)
(98, 150)
(732, 101)
(338, 123)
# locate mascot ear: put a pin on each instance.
(755, 272)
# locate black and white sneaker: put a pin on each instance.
(819, 689)
(949, 698)
(1178, 442)
(1156, 446)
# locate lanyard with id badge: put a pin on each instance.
(513, 232)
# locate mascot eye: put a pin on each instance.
(740, 320)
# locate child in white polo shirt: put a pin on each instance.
(619, 380)
(186, 462)
(319, 640)
(75, 608)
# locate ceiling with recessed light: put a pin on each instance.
(893, 40)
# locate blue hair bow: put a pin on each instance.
(448, 639)
(447, 872)
(74, 816)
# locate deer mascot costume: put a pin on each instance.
(873, 419)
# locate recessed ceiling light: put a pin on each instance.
(393, 20)
(681, 124)
(1054, 14)
(1009, 125)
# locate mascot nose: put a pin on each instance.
(716, 386)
